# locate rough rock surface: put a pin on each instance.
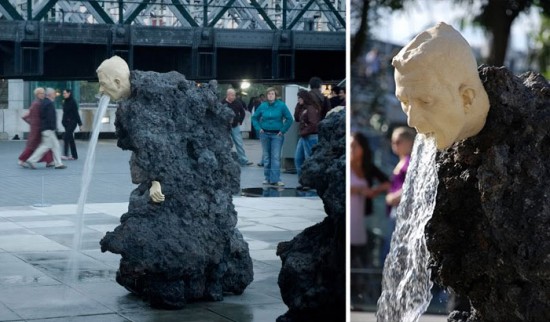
(186, 248)
(489, 236)
(312, 278)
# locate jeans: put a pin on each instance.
(303, 150)
(238, 141)
(271, 150)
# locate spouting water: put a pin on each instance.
(85, 184)
(406, 280)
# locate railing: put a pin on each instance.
(312, 15)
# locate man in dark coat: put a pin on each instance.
(236, 105)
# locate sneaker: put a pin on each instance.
(21, 163)
(49, 165)
(63, 157)
(249, 163)
(70, 158)
(61, 167)
(260, 164)
(279, 184)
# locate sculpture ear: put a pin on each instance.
(468, 95)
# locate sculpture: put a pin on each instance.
(440, 98)
(488, 236)
(180, 244)
(312, 278)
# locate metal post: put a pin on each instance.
(29, 10)
(42, 204)
(205, 13)
(284, 14)
(121, 11)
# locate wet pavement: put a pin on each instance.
(37, 282)
(371, 317)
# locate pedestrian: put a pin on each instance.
(33, 140)
(238, 108)
(363, 189)
(70, 120)
(402, 140)
(308, 113)
(342, 96)
(272, 119)
(48, 128)
(335, 98)
(315, 84)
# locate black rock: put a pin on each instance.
(186, 248)
(489, 236)
(312, 278)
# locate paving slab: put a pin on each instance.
(43, 279)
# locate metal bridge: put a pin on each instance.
(269, 40)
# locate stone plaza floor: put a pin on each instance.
(371, 317)
(37, 225)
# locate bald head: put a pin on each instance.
(436, 48)
(114, 78)
(230, 95)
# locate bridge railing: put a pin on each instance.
(309, 15)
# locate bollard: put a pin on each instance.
(42, 203)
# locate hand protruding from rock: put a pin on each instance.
(155, 192)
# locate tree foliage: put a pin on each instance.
(363, 14)
(495, 16)
(542, 42)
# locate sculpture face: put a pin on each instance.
(431, 107)
(439, 87)
(114, 78)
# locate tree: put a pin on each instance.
(363, 13)
(542, 42)
(497, 17)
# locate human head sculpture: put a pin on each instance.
(114, 78)
(439, 87)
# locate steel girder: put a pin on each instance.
(314, 15)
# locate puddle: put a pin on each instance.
(277, 192)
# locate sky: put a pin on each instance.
(399, 27)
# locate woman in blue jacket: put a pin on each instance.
(272, 119)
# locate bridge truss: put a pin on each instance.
(258, 39)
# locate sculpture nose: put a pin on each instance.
(414, 117)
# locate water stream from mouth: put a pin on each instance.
(85, 185)
(406, 280)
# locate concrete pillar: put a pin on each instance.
(16, 94)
